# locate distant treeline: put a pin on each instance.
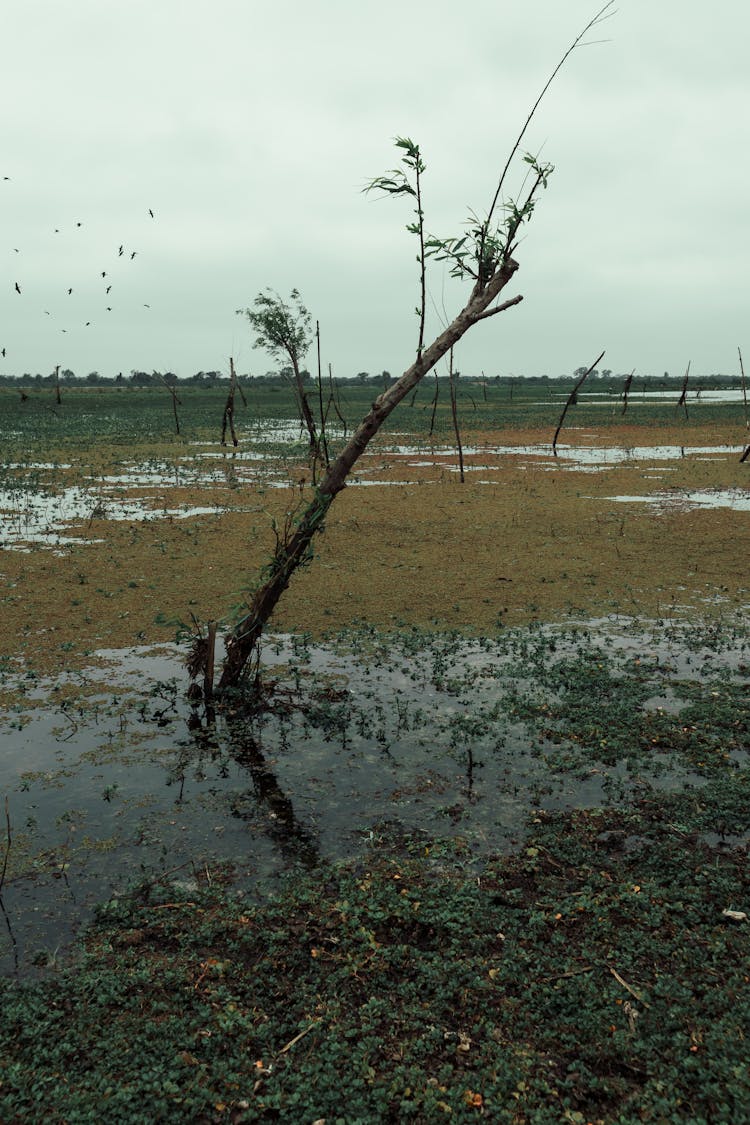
(606, 381)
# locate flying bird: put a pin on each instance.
(151, 213)
(3, 350)
(69, 292)
(133, 255)
(104, 273)
(18, 288)
(146, 306)
(79, 224)
(109, 308)
(120, 252)
(108, 288)
(88, 322)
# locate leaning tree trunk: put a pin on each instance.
(295, 549)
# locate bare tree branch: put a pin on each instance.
(500, 308)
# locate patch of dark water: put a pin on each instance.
(112, 776)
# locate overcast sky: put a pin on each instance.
(250, 129)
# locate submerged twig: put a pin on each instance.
(633, 991)
(8, 845)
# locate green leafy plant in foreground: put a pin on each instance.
(594, 977)
(597, 707)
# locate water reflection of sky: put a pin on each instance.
(736, 498)
(118, 777)
(38, 512)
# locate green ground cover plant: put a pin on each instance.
(594, 977)
(595, 707)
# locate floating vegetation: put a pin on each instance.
(432, 733)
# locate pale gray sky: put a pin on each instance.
(250, 129)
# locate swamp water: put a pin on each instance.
(112, 776)
(36, 510)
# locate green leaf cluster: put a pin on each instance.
(284, 328)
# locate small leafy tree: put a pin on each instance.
(284, 330)
(484, 255)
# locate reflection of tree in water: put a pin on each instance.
(295, 841)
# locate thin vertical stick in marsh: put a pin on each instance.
(333, 397)
(175, 403)
(453, 377)
(208, 675)
(744, 389)
(8, 846)
(435, 398)
(572, 398)
(323, 410)
(682, 400)
(484, 256)
(228, 416)
(626, 391)
(746, 454)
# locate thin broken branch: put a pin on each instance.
(571, 399)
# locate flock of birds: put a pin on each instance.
(105, 276)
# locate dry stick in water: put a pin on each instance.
(434, 405)
(322, 440)
(175, 403)
(572, 399)
(746, 454)
(744, 389)
(626, 391)
(682, 401)
(208, 675)
(454, 414)
(228, 416)
(332, 390)
(8, 844)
